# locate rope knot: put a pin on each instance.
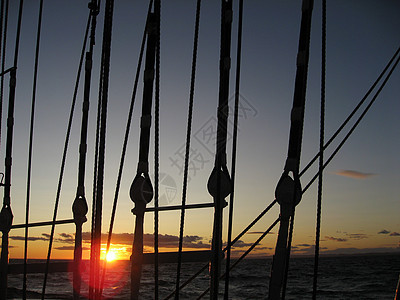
(288, 191)
(80, 209)
(225, 183)
(6, 218)
(141, 191)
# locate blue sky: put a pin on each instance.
(361, 38)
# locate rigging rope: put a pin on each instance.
(353, 112)
(262, 236)
(187, 147)
(157, 11)
(232, 243)
(64, 156)
(302, 173)
(125, 144)
(234, 145)
(219, 182)
(94, 191)
(28, 183)
(355, 124)
(80, 207)
(3, 19)
(288, 190)
(6, 216)
(103, 99)
(321, 151)
(141, 191)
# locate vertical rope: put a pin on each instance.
(288, 190)
(124, 147)
(234, 146)
(79, 206)
(321, 150)
(219, 183)
(157, 10)
(6, 215)
(105, 72)
(187, 147)
(28, 183)
(141, 190)
(64, 157)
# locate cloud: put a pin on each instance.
(70, 248)
(331, 238)
(384, 231)
(357, 236)
(164, 240)
(30, 238)
(394, 234)
(354, 174)
(259, 232)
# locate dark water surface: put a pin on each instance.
(340, 277)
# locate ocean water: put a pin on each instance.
(341, 277)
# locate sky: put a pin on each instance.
(360, 201)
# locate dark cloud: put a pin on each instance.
(30, 238)
(384, 231)
(357, 236)
(70, 248)
(354, 174)
(394, 234)
(259, 232)
(331, 238)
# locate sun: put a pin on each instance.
(111, 256)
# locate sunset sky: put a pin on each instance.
(360, 211)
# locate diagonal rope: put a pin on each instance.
(354, 125)
(28, 183)
(321, 151)
(187, 148)
(234, 145)
(353, 112)
(3, 20)
(233, 242)
(262, 236)
(64, 156)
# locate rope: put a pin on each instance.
(219, 177)
(141, 191)
(64, 157)
(3, 51)
(28, 183)
(321, 146)
(355, 124)
(288, 190)
(93, 250)
(80, 207)
(125, 144)
(233, 242)
(187, 149)
(234, 146)
(6, 215)
(157, 11)
(353, 112)
(104, 81)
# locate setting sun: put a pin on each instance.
(111, 256)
